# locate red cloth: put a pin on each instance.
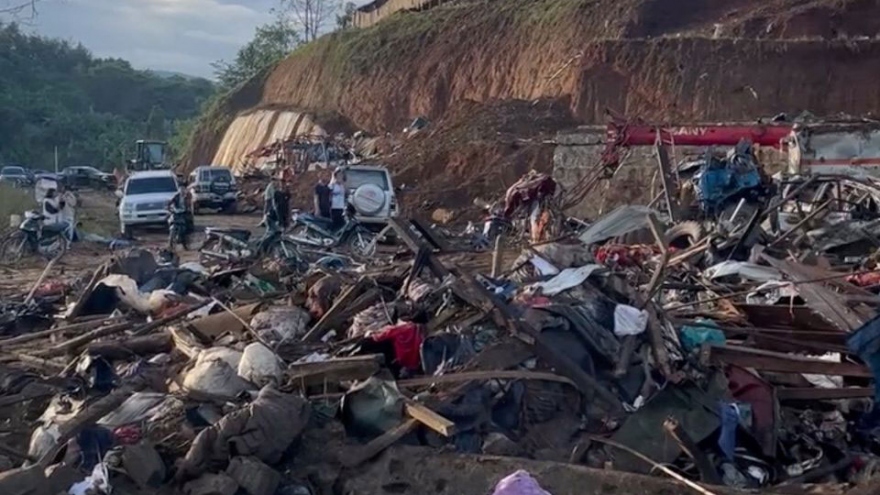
(407, 341)
(864, 279)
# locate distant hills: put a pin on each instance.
(168, 74)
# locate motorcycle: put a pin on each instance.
(33, 237)
(178, 228)
(237, 245)
(316, 232)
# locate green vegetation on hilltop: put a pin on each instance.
(57, 94)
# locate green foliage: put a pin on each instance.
(272, 42)
(54, 93)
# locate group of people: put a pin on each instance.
(330, 198)
(329, 202)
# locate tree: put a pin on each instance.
(18, 8)
(344, 19)
(56, 93)
(272, 42)
(312, 15)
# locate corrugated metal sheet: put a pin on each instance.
(257, 129)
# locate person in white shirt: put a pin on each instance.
(52, 207)
(337, 200)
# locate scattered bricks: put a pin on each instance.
(211, 484)
(253, 476)
(144, 465)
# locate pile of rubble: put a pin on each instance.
(731, 344)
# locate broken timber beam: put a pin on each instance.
(429, 418)
(334, 370)
(774, 361)
(337, 313)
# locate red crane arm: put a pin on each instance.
(622, 134)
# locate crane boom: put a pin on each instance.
(621, 134)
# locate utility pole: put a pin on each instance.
(56, 159)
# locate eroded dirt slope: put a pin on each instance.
(662, 60)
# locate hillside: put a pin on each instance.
(54, 93)
(662, 60)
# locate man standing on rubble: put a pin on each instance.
(322, 196)
(337, 200)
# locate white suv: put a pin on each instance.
(371, 192)
(144, 199)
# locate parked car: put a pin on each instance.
(371, 192)
(213, 187)
(87, 177)
(143, 200)
(37, 174)
(17, 176)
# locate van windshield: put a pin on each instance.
(150, 185)
(356, 178)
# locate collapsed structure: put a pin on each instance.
(724, 336)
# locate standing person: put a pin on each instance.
(68, 212)
(178, 208)
(270, 216)
(337, 200)
(52, 207)
(322, 196)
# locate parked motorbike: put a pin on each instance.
(178, 228)
(316, 232)
(34, 238)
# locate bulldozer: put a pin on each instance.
(149, 155)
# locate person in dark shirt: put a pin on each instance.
(322, 197)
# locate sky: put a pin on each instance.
(172, 35)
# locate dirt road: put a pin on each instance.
(97, 213)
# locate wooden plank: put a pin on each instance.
(337, 313)
(670, 185)
(209, 327)
(782, 363)
(334, 370)
(100, 272)
(467, 376)
(824, 301)
(355, 456)
(429, 418)
(812, 393)
(428, 233)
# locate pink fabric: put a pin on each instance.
(519, 483)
